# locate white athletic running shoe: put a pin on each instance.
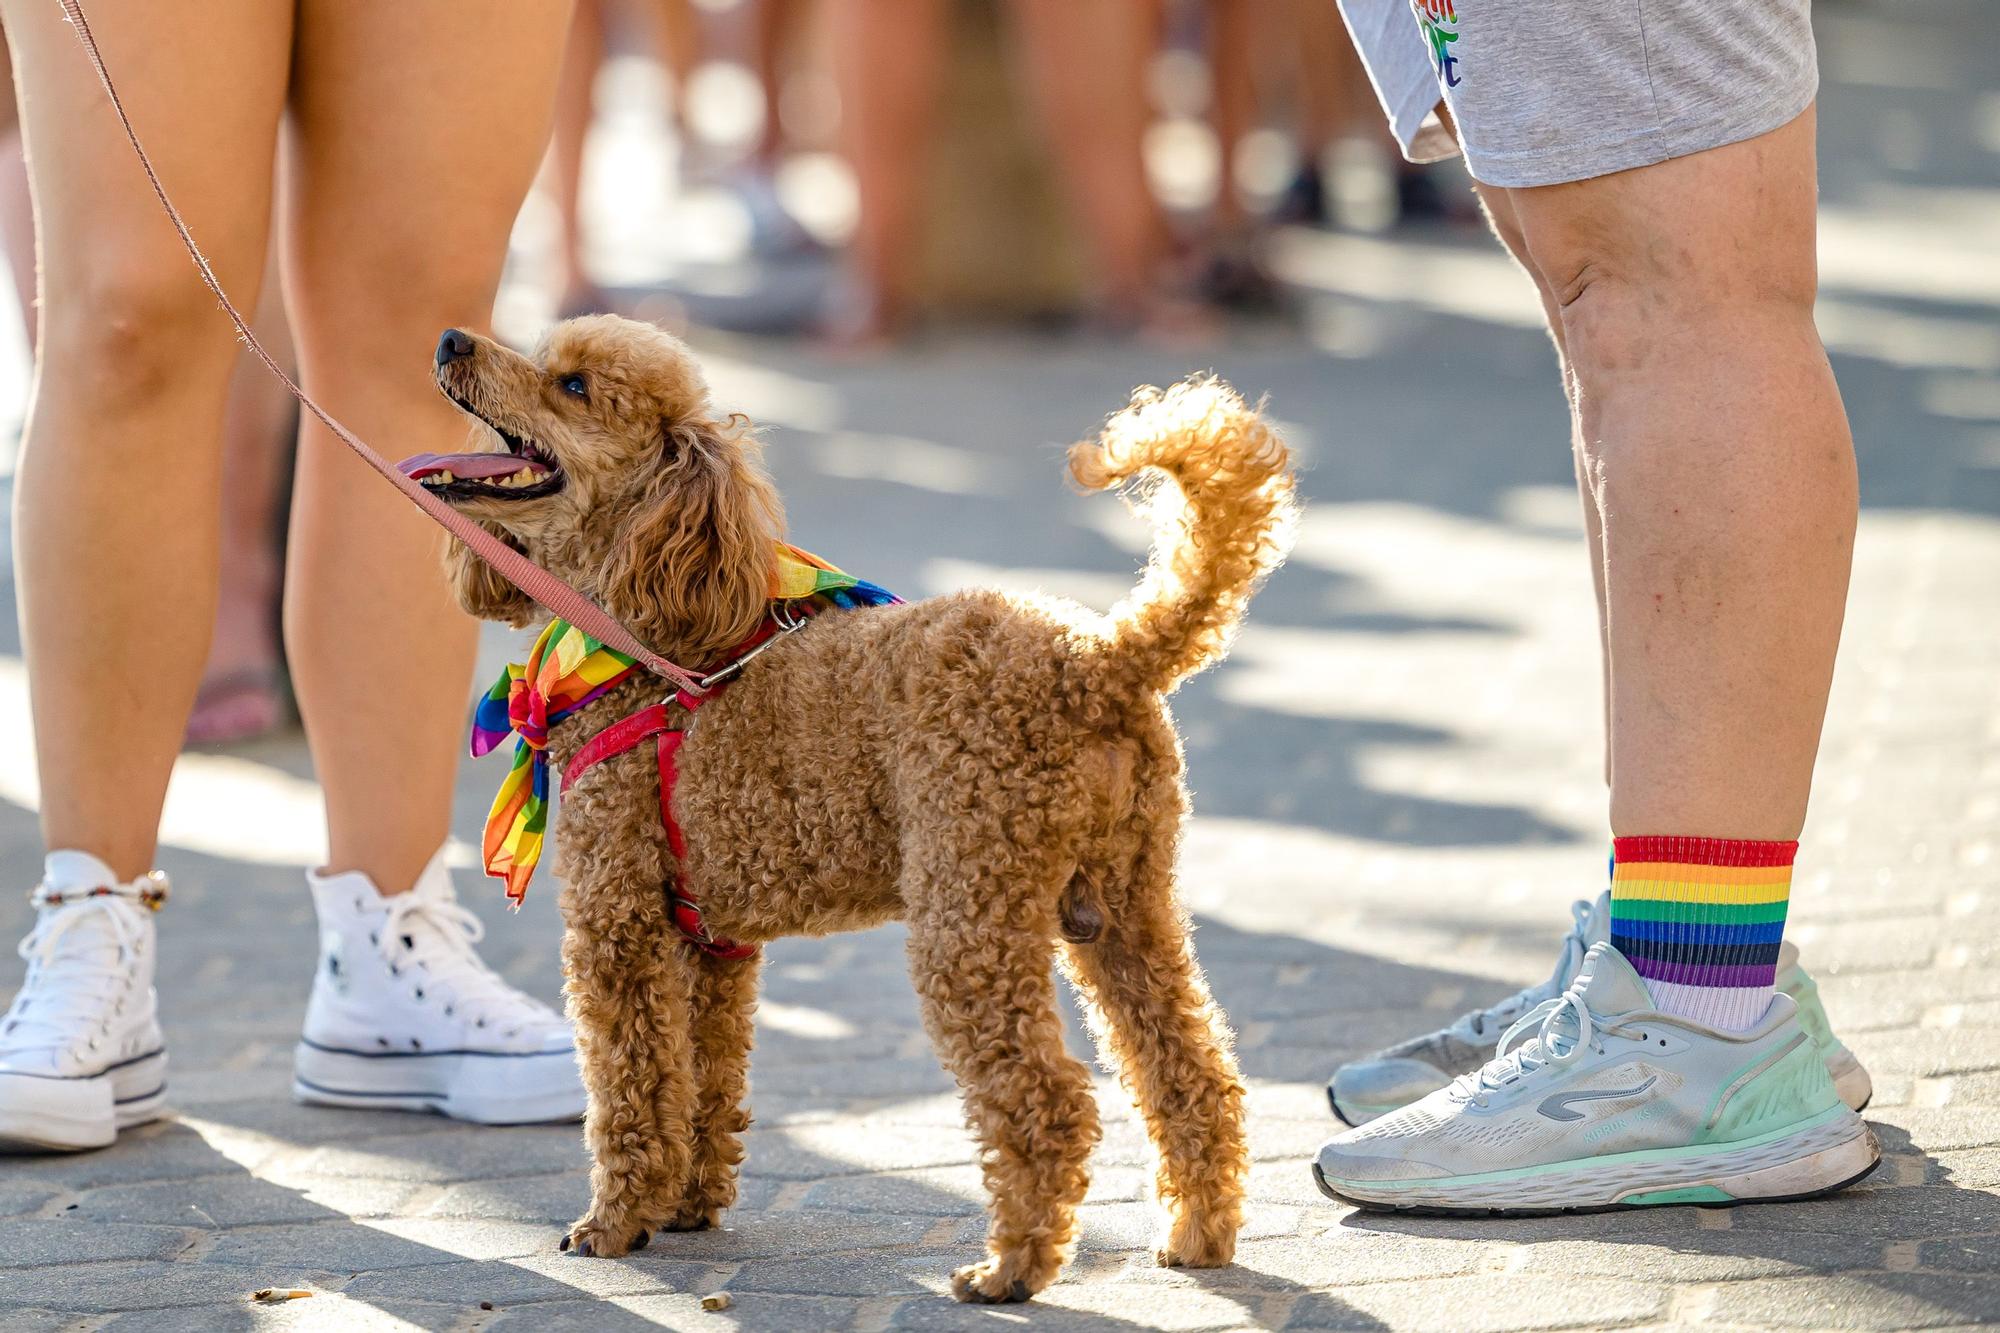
(81, 1055)
(1611, 1104)
(1389, 1080)
(404, 1015)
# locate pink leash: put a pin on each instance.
(558, 597)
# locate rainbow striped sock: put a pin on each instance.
(1700, 919)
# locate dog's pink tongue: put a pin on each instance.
(475, 467)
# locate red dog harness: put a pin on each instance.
(654, 721)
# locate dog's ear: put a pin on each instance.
(481, 590)
(690, 567)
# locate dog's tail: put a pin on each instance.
(1222, 525)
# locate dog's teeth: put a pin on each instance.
(445, 476)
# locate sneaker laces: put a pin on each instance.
(1563, 1030)
(1477, 1027)
(433, 932)
(79, 958)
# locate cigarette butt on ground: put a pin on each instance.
(278, 1295)
(720, 1300)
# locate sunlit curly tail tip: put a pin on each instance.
(1220, 529)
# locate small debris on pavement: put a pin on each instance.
(278, 1295)
(720, 1300)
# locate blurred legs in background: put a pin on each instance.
(1086, 66)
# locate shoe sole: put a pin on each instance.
(1824, 1157)
(485, 1089)
(138, 1091)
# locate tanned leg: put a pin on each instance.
(418, 131)
(117, 506)
(1719, 455)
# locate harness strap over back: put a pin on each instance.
(628, 733)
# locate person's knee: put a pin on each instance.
(1633, 296)
(127, 331)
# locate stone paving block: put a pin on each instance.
(338, 1246)
(1700, 1256)
(110, 1288)
(646, 1314)
(68, 1239)
(20, 1197)
(21, 1320)
(225, 1202)
(1475, 1304)
(1975, 1254)
(553, 1277)
(1095, 1306)
(1859, 1300)
(493, 1152)
(938, 1192)
(1888, 1212)
(753, 1235)
(832, 1274)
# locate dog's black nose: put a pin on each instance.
(453, 346)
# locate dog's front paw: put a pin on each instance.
(989, 1282)
(1195, 1242)
(589, 1239)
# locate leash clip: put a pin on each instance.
(784, 617)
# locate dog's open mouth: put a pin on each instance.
(523, 472)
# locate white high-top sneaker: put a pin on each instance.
(405, 1016)
(81, 1055)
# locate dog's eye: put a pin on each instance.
(575, 386)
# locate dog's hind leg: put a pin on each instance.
(1155, 1023)
(630, 986)
(981, 958)
(725, 993)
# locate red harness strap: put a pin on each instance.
(627, 734)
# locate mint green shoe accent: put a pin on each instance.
(1782, 1089)
(1692, 1194)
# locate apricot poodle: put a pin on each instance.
(1005, 780)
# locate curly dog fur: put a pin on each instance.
(1010, 788)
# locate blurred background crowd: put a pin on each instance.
(858, 172)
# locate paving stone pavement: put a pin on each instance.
(1398, 790)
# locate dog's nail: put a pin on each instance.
(563, 1244)
(1019, 1291)
(583, 1248)
(642, 1239)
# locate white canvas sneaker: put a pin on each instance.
(81, 1055)
(1611, 1104)
(405, 1016)
(1389, 1080)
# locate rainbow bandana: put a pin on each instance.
(567, 671)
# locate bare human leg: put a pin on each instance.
(117, 511)
(383, 250)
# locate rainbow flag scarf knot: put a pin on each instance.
(567, 671)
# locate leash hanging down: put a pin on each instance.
(548, 591)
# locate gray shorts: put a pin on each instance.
(1547, 91)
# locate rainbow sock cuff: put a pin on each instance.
(1701, 911)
